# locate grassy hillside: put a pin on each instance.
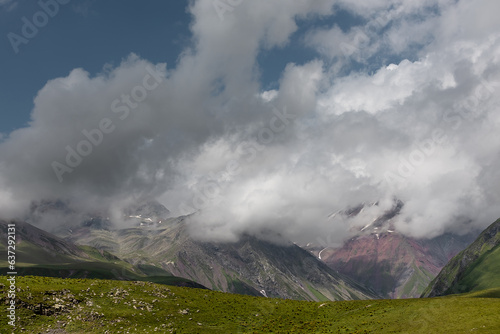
(475, 268)
(483, 274)
(51, 305)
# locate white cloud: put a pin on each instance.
(210, 138)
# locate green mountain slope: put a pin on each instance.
(41, 253)
(49, 305)
(475, 268)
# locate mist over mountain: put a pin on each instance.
(378, 256)
(250, 266)
(402, 103)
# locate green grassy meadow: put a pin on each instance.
(54, 305)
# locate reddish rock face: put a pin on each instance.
(393, 265)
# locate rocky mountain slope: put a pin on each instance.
(475, 268)
(393, 265)
(249, 266)
(150, 244)
(41, 253)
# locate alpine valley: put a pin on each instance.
(377, 262)
(96, 277)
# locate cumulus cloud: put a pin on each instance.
(205, 137)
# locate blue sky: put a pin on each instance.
(89, 34)
(260, 115)
(86, 34)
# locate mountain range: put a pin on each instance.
(55, 305)
(390, 263)
(249, 266)
(157, 248)
(376, 262)
(41, 253)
